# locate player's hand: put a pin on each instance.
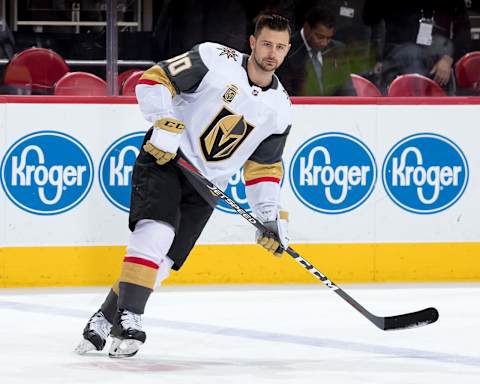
(442, 70)
(276, 236)
(162, 157)
(165, 139)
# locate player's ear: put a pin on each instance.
(252, 41)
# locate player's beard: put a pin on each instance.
(264, 65)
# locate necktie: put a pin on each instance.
(317, 66)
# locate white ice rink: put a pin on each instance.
(248, 334)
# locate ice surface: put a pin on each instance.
(248, 334)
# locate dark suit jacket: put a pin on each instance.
(297, 73)
(402, 19)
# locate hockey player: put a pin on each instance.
(220, 110)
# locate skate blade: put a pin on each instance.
(84, 346)
(124, 348)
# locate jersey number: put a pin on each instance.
(179, 64)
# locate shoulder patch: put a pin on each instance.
(229, 53)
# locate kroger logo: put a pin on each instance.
(236, 190)
(425, 173)
(333, 173)
(47, 173)
(116, 168)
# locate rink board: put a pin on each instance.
(377, 189)
(247, 264)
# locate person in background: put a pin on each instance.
(7, 42)
(349, 27)
(473, 10)
(317, 65)
(7, 50)
(418, 36)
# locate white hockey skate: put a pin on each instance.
(127, 334)
(95, 334)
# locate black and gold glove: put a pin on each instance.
(165, 140)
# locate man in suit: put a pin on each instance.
(420, 36)
(317, 65)
(7, 43)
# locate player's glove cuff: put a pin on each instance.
(170, 124)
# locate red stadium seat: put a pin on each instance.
(122, 76)
(467, 71)
(80, 84)
(35, 68)
(414, 84)
(128, 87)
(364, 87)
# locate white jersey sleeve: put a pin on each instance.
(180, 74)
(263, 174)
(162, 82)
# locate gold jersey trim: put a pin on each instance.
(157, 74)
(253, 170)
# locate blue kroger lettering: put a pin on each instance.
(425, 173)
(333, 173)
(121, 174)
(327, 175)
(116, 167)
(41, 175)
(47, 172)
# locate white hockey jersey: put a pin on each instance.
(229, 122)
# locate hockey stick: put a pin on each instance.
(408, 320)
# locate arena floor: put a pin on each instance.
(248, 334)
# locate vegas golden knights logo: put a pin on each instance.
(224, 135)
(230, 93)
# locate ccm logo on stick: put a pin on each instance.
(47, 172)
(333, 173)
(425, 173)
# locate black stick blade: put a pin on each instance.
(411, 320)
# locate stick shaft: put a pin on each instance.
(404, 321)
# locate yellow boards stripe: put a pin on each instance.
(220, 264)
